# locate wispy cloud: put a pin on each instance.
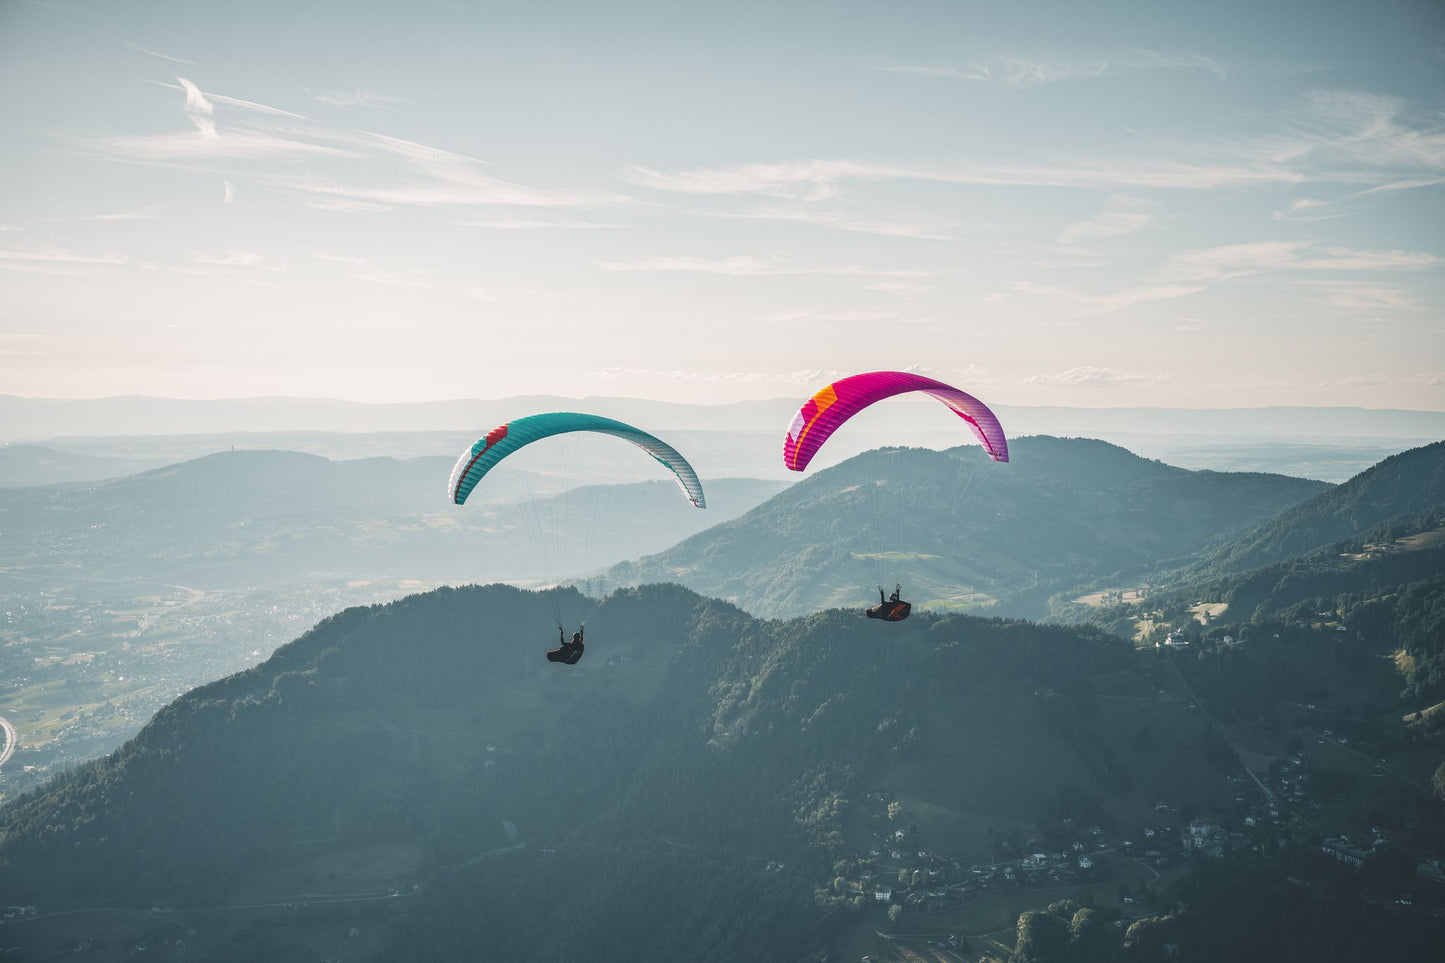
(1023, 71)
(359, 269)
(207, 143)
(61, 255)
(358, 98)
(905, 288)
(800, 376)
(1334, 138)
(211, 142)
(228, 195)
(345, 205)
(1431, 379)
(816, 180)
(1085, 303)
(354, 262)
(196, 102)
(141, 214)
(971, 374)
(1090, 376)
(840, 221)
(1371, 129)
(823, 315)
(1358, 296)
(153, 53)
(247, 259)
(538, 224)
(1122, 216)
(1195, 271)
(446, 179)
(1245, 260)
(743, 265)
(199, 101)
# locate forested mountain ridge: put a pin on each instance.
(704, 785)
(960, 531)
(693, 742)
(1399, 489)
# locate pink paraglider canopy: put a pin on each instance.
(826, 411)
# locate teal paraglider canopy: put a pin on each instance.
(501, 441)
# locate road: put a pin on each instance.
(11, 740)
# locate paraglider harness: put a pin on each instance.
(892, 608)
(568, 652)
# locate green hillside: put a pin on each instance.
(1398, 490)
(961, 533)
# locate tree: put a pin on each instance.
(1437, 782)
(1042, 938)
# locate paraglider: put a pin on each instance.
(501, 441)
(569, 653)
(832, 406)
(892, 608)
(483, 455)
(826, 411)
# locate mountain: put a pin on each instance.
(23, 465)
(1398, 489)
(703, 786)
(694, 747)
(276, 517)
(1380, 597)
(958, 531)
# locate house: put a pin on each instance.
(1345, 851)
(1086, 862)
(883, 894)
(1174, 640)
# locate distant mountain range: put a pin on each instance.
(277, 518)
(26, 465)
(741, 439)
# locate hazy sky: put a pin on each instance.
(1096, 204)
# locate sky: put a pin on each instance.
(1104, 204)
